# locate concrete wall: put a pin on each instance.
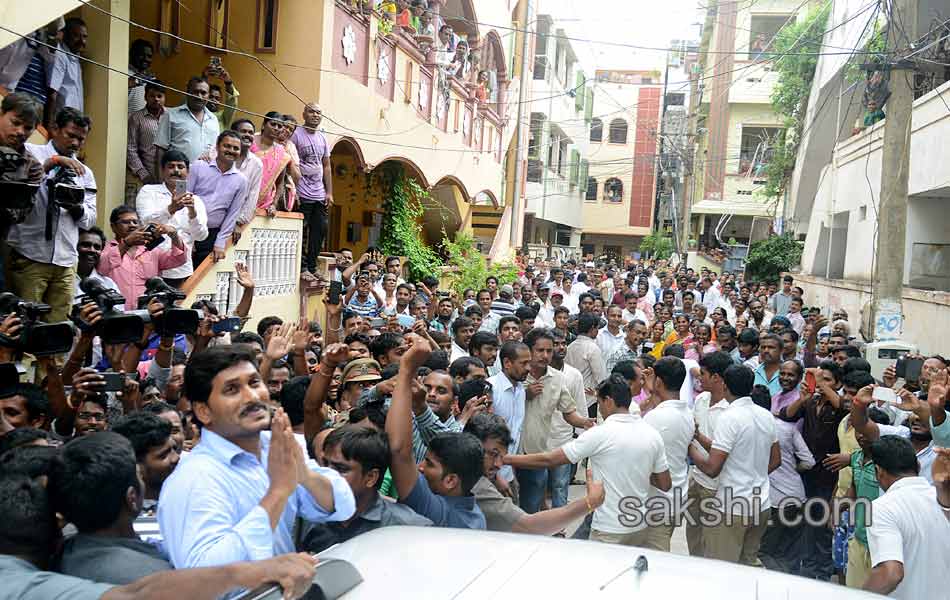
(25, 17)
(922, 310)
(852, 185)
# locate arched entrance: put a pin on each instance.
(449, 211)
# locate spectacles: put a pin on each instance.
(90, 416)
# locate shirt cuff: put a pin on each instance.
(344, 504)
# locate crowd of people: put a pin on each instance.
(684, 398)
(161, 449)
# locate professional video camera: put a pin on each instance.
(35, 337)
(116, 327)
(17, 194)
(63, 190)
(173, 320)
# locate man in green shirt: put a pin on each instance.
(222, 102)
(864, 488)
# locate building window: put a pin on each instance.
(218, 17)
(763, 29)
(267, 25)
(596, 130)
(535, 133)
(591, 189)
(757, 147)
(618, 131)
(613, 190)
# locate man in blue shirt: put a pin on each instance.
(440, 487)
(770, 360)
(240, 491)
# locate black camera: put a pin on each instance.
(35, 337)
(173, 320)
(115, 327)
(18, 195)
(64, 192)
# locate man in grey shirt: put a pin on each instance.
(780, 301)
(95, 484)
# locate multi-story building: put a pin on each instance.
(737, 126)
(621, 188)
(387, 106)
(836, 185)
(560, 111)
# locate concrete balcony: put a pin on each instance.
(752, 84)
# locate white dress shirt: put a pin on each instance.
(608, 342)
(611, 447)
(746, 433)
(562, 432)
(674, 422)
(65, 78)
(508, 398)
(152, 206)
(910, 527)
(706, 417)
(29, 237)
(457, 352)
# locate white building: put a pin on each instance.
(560, 110)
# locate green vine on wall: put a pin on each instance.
(797, 46)
(401, 231)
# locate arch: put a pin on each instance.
(486, 195)
(460, 14)
(596, 130)
(613, 190)
(618, 131)
(452, 179)
(492, 44)
(349, 145)
(413, 168)
(591, 189)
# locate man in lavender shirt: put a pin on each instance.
(315, 187)
(223, 188)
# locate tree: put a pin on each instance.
(401, 232)
(471, 266)
(768, 258)
(657, 245)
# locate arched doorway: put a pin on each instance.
(447, 212)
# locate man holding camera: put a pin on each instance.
(43, 247)
(134, 256)
(168, 203)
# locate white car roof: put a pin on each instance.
(431, 563)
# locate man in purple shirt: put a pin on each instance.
(223, 188)
(790, 378)
(315, 187)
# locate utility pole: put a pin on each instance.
(689, 162)
(888, 281)
(521, 149)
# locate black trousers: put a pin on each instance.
(817, 562)
(315, 223)
(204, 247)
(781, 548)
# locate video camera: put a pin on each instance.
(173, 320)
(63, 190)
(17, 195)
(116, 327)
(35, 337)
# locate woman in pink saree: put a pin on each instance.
(279, 166)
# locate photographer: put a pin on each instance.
(19, 116)
(43, 247)
(133, 257)
(168, 204)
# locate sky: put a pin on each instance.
(642, 22)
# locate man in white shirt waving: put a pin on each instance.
(909, 537)
(745, 450)
(168, 203)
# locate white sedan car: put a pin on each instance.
(430, 563)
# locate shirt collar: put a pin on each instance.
(622, 417)
(375, 511)
(909, 482)
(743, 401)
(221, 448)
(505, 382)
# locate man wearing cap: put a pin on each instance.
(358, 375)
(504, 305)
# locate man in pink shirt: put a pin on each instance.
(128, 261)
